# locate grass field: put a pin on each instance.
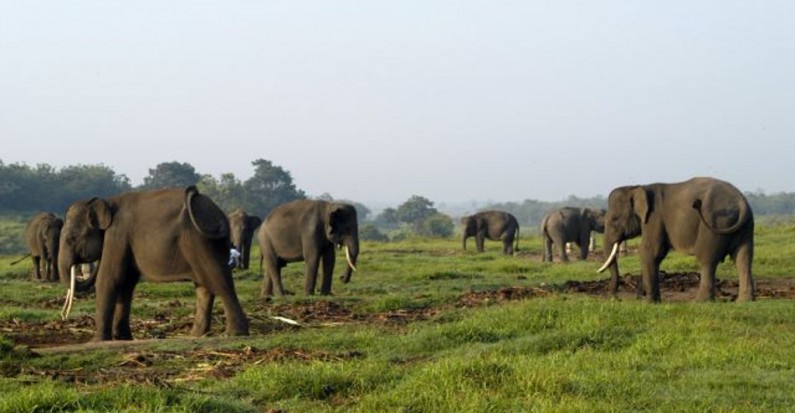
(422, 327)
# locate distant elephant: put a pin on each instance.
(43, 233)
(494, 225)
(569, 224)
(704, 217)
(172, 234)
(242, 227)
(308, 230)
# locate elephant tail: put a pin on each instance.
(743, 217)
(20, 260)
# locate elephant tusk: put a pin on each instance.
(610, 259)
(348, 257)
(70, 295)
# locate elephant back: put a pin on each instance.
(205, 215)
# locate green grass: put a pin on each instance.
(555, 353)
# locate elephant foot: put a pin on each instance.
(745, 296)
(237, 329)
(199, 331)
(704, 296)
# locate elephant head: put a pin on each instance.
(595, 219)
(242, 227)
(627, 208)
(82, 237)
(342, 230)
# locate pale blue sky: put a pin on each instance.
(379, 100)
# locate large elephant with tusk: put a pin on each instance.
(173, 234)
(704, 217)
(308, 230)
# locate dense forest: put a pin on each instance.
(25, 190)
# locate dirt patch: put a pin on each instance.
(169, 368)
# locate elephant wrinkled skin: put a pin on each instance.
(570, 224)
(704, 217)
(43, 234)
(242, 227)
(165, 235)
(494, 225)
(308, 230)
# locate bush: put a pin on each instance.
(370, 232)
(436, 225)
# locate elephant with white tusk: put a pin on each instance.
(704, 217)
(172, 234)
(308, 230)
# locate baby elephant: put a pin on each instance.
(494, 225)
(570, 224)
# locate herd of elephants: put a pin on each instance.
(179, 234)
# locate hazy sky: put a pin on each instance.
(379, 100)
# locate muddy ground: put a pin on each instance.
(163, 367)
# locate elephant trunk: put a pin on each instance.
(351, 246)
(52, 264)
(464, 240)
(67, 261)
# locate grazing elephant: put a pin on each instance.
(242, 227)
(172, 234)
(308, 230)
(494, 225)
(704, 217)
(43, 233)
(570, 224)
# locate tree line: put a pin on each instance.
(26, 189)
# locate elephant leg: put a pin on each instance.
(562, 247)
(121, 314)
(106, 301)
(37, 268)
(547, 249)
(480, 241)
(706, 288)
(507, 245)
(584, 250)
(216, 280)
(650, 277)
(312, 266)
(329, 258)
(204, 311)
(273, 278)
(743, 258)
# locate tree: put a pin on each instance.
(171, 174)
(436, 225)
(270, 186)
(415, 210)
(370, 232)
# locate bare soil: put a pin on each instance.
(163, 368)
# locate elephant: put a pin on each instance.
(174, 234)
(569, 224)
(43, 234)
(494, 225)
(242, 227)
(307, 230)
(703, 216)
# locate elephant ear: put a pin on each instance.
(100, 214)
(641, 201)
(205, 215)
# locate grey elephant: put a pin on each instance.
(493, 225)
(308, 230)
(42, 234)
(174, 234)
(242, 228)
(705, 217)
(569, 224)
